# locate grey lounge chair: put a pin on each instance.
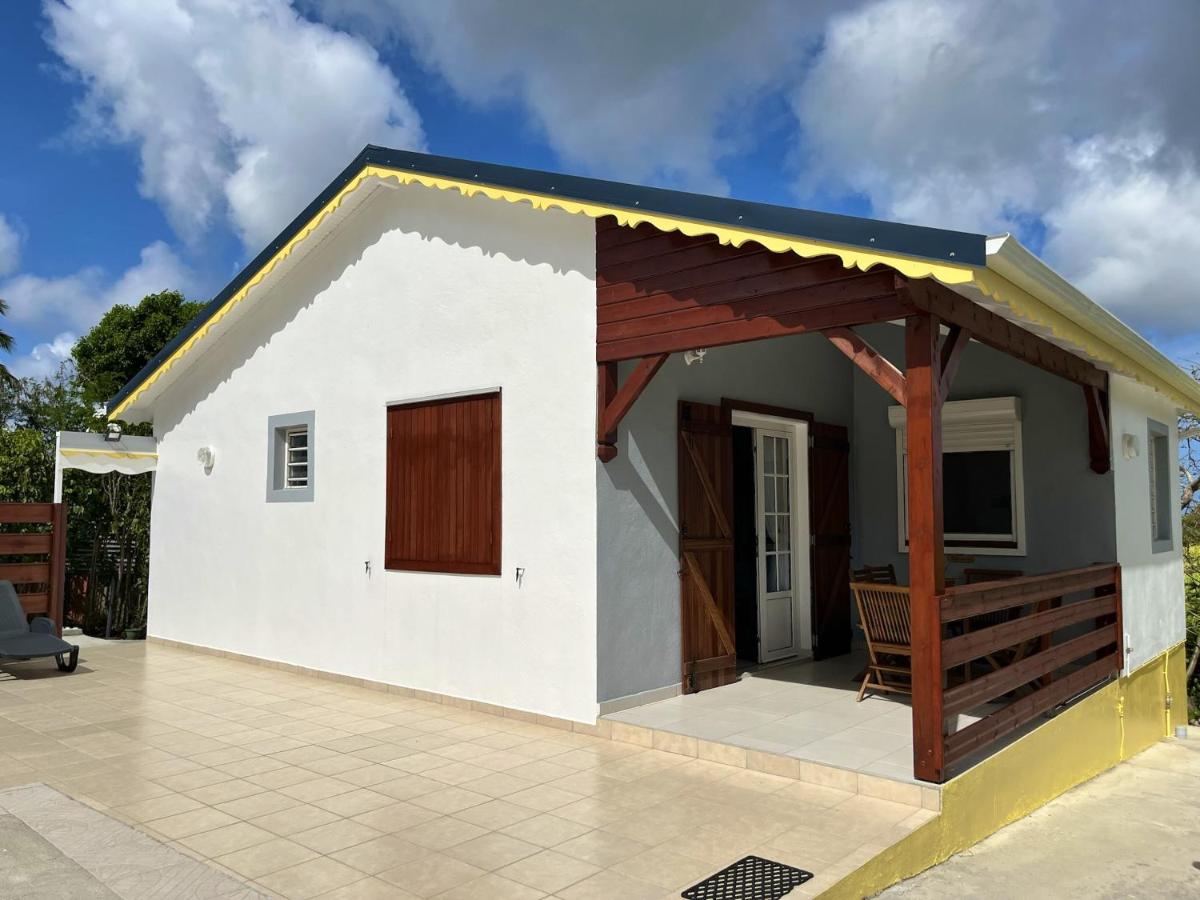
(20, 639)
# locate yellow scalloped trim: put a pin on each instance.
(115, 454)
(1031, 308)
(851, 257)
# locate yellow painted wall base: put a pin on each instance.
(1119, 721)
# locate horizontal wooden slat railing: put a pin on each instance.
(1044, 639)
(33, 557)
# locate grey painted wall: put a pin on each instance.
(638, 565)
(1069, 509)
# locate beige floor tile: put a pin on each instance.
(439, 834)
(451, 800)
(234, 789)
(298, 818)
(335, 836)
(369, 889)
(431, 875)
(546, 830)
(311, 878)
(269, 856)
(548, 871)
(601, 848)
(369, 775)
(497, 784)
(492, 887)
(196, 778)
(398, 817)
(663, 867)
(496, 814)
(193, 822)
(607, 884)
(491, 851)
(320, 788)
(354, 802)
(407, 787)
(157, 807)
(260, 804)
(382, 853)
(220, 841)
(283, 777)
(543, 797)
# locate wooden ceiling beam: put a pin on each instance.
(999, 333)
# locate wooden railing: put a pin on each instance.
(32, 555)
(1012, 650)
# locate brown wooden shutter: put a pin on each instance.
(829, 517)
(443, 486)
(708, 638)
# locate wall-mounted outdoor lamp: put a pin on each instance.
(206, 456)
(1129, 446)
(694, 356)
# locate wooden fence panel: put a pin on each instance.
(1045, 639)
(33, 558)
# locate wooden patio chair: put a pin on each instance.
(874, 574)
(884, 614)
(987, 620)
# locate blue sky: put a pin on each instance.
(160, 144)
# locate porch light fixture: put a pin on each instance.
(1129, 446)
(113, 433)
(694, 356)
(206, 456)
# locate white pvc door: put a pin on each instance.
(776, 594)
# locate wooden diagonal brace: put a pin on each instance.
(953, 346)
(867, 358)
(613, 403)
(1099, 443)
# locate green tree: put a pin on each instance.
(6, 343)
(127, 338)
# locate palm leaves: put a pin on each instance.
(6, 343)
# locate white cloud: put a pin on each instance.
(239, 108)
(44, 359)
(639, 91)
(10, 246)
(76, 302)
(988, 117)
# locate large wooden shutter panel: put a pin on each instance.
(706, 546)
(829, 515)
(443, 486)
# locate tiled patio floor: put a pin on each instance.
(805, 710)
(307, 787)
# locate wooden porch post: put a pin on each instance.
(927, 576)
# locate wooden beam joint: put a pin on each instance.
(612, 403)
(871, 361)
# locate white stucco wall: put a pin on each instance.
(420, 293)
(1151, 583)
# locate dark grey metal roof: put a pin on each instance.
(889, 237)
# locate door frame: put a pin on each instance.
(796, 424)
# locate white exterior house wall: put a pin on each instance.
(1151, 582)
(420, 293)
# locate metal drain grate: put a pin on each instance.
(752, 878)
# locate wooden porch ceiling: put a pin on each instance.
(660, 292)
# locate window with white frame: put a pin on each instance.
(983, 502)
(291, 457)
(1158, 445)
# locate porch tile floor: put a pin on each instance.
(806, 710)
(305, 787)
